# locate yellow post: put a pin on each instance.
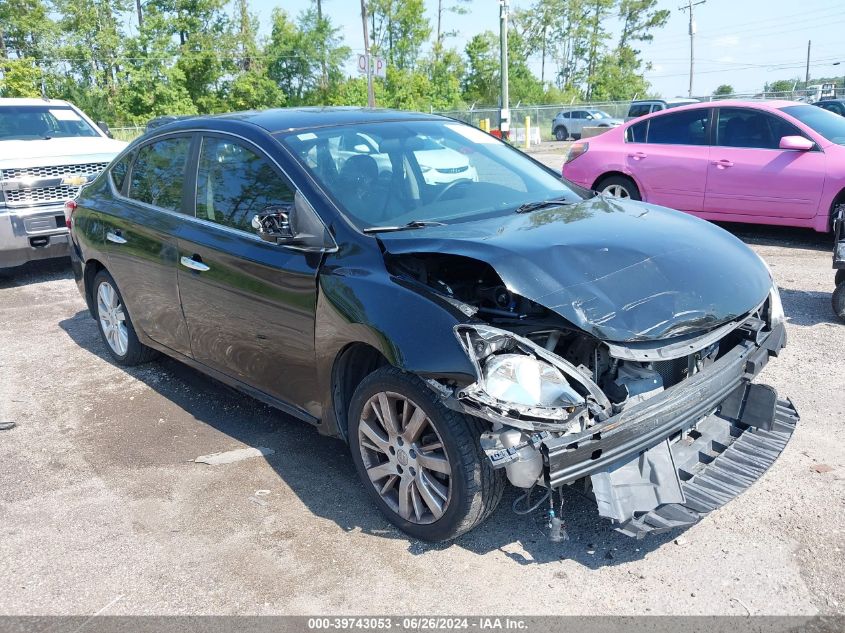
(527, 132)
(484, 124)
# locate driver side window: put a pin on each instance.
(234, 184)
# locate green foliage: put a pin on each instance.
(126, 64)
(724, 89)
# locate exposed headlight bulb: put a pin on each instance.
(524, 380)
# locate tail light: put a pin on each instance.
(575, 150)
(70, 207)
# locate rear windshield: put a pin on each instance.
(38, 122)
(829, 125)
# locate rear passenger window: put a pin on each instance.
(234, 184)
(119, 170)
(159, 173)
(636, 133)
(639, 109)
(679, 128)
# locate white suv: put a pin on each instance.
(48, 151)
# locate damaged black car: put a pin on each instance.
(446, 305)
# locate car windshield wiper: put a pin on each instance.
(540, 204)
(413, 224)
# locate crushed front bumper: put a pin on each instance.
(32, 233)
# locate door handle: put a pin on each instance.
(723, 164)
(637, 155)
(116, 237)
(190, 262)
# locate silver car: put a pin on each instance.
(571, 123)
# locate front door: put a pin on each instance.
(749, 175)
(140, 242)
(668, 154)
(250, 304)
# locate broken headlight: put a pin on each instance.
(527, 381)
(776, 316)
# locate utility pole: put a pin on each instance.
(371, 97)
(689, 7)
(807, 74)
(504, 111)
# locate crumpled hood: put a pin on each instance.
(618, 269)
(59, 151)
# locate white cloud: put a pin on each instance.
(726, 41)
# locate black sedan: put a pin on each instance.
(492, 323)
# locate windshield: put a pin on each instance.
(829, 125)
(35, 122)
(383, 174)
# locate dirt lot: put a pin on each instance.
(102, 509)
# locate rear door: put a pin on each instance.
(668, 155)
(749, 175)
(140, 242)
(250, 304)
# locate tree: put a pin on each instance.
(399, 30)
(480, 82)
(639, 18)
(455, 7)
(723, 90)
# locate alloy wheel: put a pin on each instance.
(617, 191)
(112, 318)
(404, 457)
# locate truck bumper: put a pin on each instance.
(32, 233)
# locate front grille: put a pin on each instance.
(41, 195)
(52, 171)
(453, 170)
(45, 195)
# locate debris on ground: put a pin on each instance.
(5, 426)
(228, 457)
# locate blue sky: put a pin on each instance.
(744, 43)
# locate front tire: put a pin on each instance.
(619, 187)
(115, 326)
(838, 301)
(420, 462)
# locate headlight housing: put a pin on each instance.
(776, 315)
(527, 381)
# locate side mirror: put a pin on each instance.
(105, 128)
(798, 143)
(273, 225)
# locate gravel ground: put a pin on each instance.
(102, 509)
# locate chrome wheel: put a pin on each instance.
(404, 457)
(617, 191)
(112, 318)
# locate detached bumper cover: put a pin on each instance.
(729, 473)
(670, 460)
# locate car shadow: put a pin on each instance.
(808, 307)
(319, 471)
(36, 272)
(785, 236)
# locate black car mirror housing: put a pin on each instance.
(273, 225)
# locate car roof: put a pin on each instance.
(293, 119)
(31, 101)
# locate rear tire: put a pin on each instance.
(619, 187)
(432, 457)
(838, 301)
(561, 133)
(114, 324)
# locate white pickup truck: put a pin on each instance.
(48, 150)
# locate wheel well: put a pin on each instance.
(352, 365)
(610, 174)
(839, 199)
(92, 267)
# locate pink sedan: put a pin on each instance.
(767, 162)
